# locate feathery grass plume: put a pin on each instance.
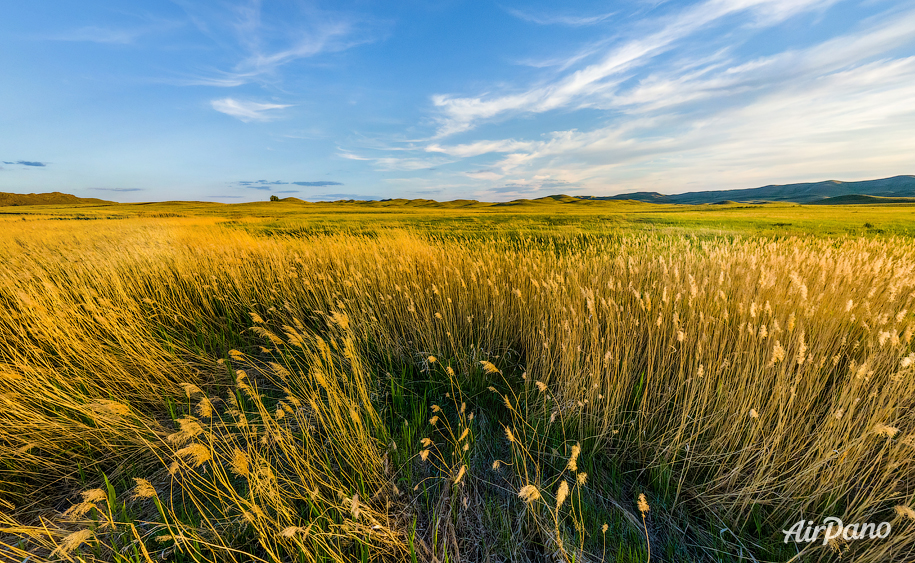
(460, 474)
(354, 507)
(529, 493)
(496, 465)
(643, 504)
(196, 452)
(886, 431)
(464, 434)
(753, 413)
(424, 455)
(643, 509)
(94, 495)
(907, 361)
(489, 368)
(239, 463)
(573, 459)
(204, 408)
(107, 406)
(778, 353)
(434, 420)
(143, 488)
(426, 442)
(293, 531)
(541, 386)
(450, 371)
(432, 359)
(562, 493)
(189, 429)
(509, 435)
(906, 512)
(581, 478)
(190, 389)
(341, 320)
(90, 498)
(73, 541)
(604, 528)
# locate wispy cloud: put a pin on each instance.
(389, 163)
(32, 163)
(113, 35)
(265, 42)
(264, 182)
(336, 197)
(321, 183)
(555, 19)
(591, 85)
(118, 189)
(269, 185)
(246, 110)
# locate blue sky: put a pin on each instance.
(443, 99)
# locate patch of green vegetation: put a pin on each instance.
(553, 216)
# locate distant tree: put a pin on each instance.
(274, 198)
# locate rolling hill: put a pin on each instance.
(53, 198)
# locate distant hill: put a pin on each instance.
(815, 192)
(863, 200)
(53, 198)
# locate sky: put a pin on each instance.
(230, 100)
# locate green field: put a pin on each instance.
(527, 217)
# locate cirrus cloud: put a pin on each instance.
(247, 111)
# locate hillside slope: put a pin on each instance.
(53, 198)
(897, 186)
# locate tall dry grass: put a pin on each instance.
(755, 378)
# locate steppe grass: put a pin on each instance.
(184, 389)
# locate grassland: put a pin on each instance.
(464, 382)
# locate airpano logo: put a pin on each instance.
(833, 529)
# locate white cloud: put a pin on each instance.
(245, 110)
(586, 86)
(266, 44)
(113, 35)
(852, 124)
(481, 147)
(393, 163)
(574, 21)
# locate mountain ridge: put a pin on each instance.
(804, 192)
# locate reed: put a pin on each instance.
(244, 395)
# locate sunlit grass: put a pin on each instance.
(184, 389)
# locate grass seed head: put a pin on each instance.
(529, 493)
(562, 493)
(643, 504)
(73, 541)
(906, 512)
(143, 488)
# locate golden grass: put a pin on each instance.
(758, 373)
